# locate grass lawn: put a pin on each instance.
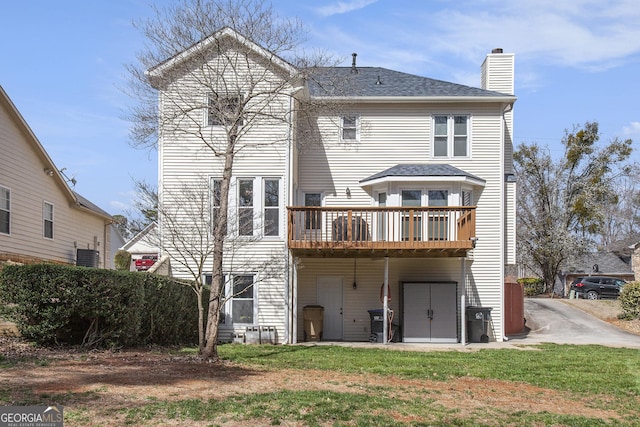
(330, 385)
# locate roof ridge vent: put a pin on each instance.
(354, 70)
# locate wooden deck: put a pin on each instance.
(447, 231)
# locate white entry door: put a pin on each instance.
(429, 313)
(329, 294)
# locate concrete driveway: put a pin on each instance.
(551, 320)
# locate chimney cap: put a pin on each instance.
(497, 50)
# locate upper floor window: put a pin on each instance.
(313, 218)
(245, 207)
(5, 210)
(224, 111)
(451, 136)
(349, 128)
(47, 215)
(271, 207)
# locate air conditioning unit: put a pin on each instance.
(87, 258)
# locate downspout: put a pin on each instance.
(287, 294)
(503, 191)
(291, 320)
(106, 246)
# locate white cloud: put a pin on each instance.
(632, 130)
(584, 33)
(343, 7)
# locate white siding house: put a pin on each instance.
(407, 182)
(41, 218)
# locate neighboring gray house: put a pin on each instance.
(41, 218)
(410, 192)
(594, 264)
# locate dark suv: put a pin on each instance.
(595, 287)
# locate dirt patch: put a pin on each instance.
(105, 382)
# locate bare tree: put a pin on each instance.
(563, 203)
(621, 226)
(143, 212)
(234, 51)
(187, 236)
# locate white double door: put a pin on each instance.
(429, 312)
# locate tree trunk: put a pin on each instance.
(199, 294)
(210, 350)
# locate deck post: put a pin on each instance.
(385, 302)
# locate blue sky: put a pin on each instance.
(62, 64)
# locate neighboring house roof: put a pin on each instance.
(85, 203)
(384, 83)
(607, 263)
(413, 172)
(50, 167)
(145, 241)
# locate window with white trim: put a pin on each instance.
(411, 223)
(349, 128)
(224, 110)
(242, 299)
(5, 210)
(245, 207)
(313, 218)
(237, 298)
(438, 224)
(450, 136)
(271, 207)
(47, 216)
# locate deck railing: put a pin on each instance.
(381, 227)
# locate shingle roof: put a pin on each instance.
(607, 262)
(421, 170)
(84, 202)
(381, 82)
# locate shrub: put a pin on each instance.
(630, 300)
(53, 304)
(122, 260)
(532, 285)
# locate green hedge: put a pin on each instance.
(53, 304)
(630, 300)
(532, 286)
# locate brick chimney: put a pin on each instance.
(497, 72)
